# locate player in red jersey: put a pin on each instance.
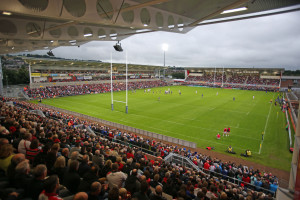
(225, 132)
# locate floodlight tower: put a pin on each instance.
(165, 48)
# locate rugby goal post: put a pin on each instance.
(112, 89)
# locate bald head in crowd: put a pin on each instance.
(65, 152)
(95, 188)
(3, 141)
(81, 196)
(85, 158)
(23, 167)
(97, 152)
(158, 190)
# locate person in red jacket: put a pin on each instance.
(246, 179)
(206, 165)
(129, 154)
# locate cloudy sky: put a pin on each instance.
(272, 41)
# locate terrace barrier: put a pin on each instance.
(127, 128)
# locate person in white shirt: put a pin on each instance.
(116, 178)
(25, 143)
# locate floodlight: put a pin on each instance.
(6, 13)
(165, 47)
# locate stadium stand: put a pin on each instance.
(71, 155)
(69, 90)
(249, 79)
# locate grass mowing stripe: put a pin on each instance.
(266, 125)
(163, 130)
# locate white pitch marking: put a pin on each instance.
(266, 125)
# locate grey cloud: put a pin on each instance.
(272, 41)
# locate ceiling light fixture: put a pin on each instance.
(234, 10)
(88, 35)
(6, 13)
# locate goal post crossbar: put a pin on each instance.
(120, 101)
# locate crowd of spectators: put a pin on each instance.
(204, 78)
(235, 79)
(256, 80)
(245, 82)
(93, 78)
(69, 90)
(82, 166)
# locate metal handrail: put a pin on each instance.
(171, 155)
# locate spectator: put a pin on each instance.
(113, 194)
(22, 177)
(81, 196)
(65, 153)
(116, 178)
(142, 194)
(72, 178)
(24, 143)
(59, 168)
(106, 168)
(74, 156)
(36, 186)
(132, 183)
(158, 194)
(96, 191)
(41, 157)
(84, 165)
(33, 150)
(11, 171)
(123, 194)
(51, 185)
(88, 178)
(6, 154)
(98, 159)
(52, 155)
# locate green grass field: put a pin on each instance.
(191, 117)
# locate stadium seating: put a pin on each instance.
(69, 90)
(57, 133)
(247, 82)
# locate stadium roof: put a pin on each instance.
(70, 65)
(241, 70)
(27, 25)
